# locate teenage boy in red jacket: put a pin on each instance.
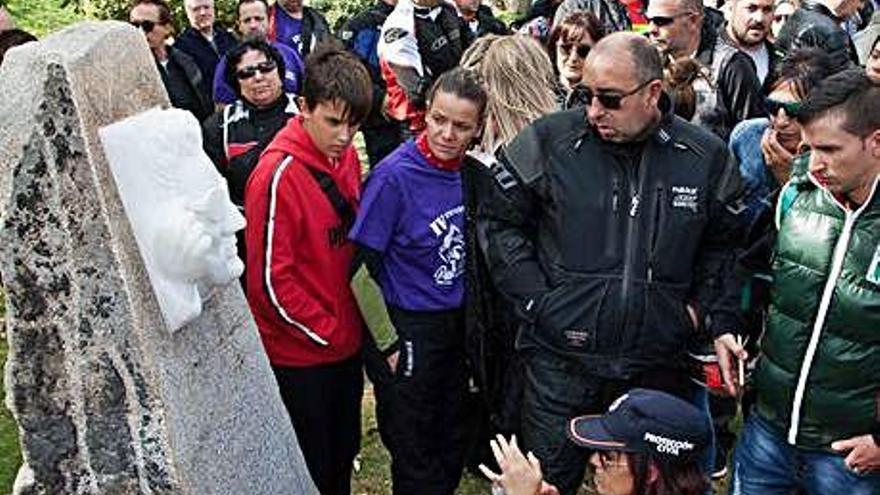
(299, 203)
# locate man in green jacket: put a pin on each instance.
(816, 422)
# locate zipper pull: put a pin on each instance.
(615, 197)
(634, 206)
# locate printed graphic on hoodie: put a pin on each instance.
(451, 253)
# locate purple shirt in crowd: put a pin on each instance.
(293, 74)
(288, 30)
(412, 213)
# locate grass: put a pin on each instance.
(41, 17)
(10, 457)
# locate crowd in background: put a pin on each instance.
(604, 230)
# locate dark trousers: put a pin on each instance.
(420, 409)
(324, 403)
(558, 389)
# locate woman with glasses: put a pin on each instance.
(649, 442)
(569, 44)
(236, 135)
(765, 146)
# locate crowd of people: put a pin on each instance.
(585, 240)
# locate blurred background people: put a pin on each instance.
(204, 41)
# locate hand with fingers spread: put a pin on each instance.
(520, 474)
(729, 351)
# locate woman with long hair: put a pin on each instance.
(648, 443)
(518, 76)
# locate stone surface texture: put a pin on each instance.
(107, 400)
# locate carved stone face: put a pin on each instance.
(178, 207)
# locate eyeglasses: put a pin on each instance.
(146, 26)
(582, 50)
(611, 101)
(781, 17)
(251, 71)
(665, 20)
(791, 108)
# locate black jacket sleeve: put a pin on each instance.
(741, 89)
(212, 141)
(506, 219)
(717, 287)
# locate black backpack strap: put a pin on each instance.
(343, 208)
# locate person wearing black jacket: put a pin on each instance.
(611, 240)
(360, 35)
(477, 20)
(684, 28)
(180, 75)
(204, 41)
(817, 24)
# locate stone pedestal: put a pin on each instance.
(107, 399)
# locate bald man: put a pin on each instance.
(612, 229)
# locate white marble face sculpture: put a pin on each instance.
(178, 206)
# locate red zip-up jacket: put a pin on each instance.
(298, 255)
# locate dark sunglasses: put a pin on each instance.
(582, 50)
(146, 26)
(611, 101)
(791, 107)
(665, 20)
(251, 71)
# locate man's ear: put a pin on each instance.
(873, 144)
(304, 109)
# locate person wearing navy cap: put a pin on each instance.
(649, 442)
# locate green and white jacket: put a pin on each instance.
(819, 377)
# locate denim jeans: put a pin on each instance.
(765, 464)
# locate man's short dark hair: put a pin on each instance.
(334, 74)
(255, 43)
(242, 2)
(853, 95)
(164, 10)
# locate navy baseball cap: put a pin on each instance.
(646, 422)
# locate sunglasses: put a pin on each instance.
(251, 71)
(791, 108)
(665, 20)
(582, 50)
(146, 26)
(610, 101)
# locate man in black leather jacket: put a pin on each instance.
(610, 238)
(817, 24)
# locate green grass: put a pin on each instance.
(41, 17)
(9, 454)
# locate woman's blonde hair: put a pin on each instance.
(519, 78)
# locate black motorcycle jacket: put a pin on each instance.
(600, 246)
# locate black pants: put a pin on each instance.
(324, 403)
(420, 409)
(558, 389)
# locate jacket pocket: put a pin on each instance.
(569, 314)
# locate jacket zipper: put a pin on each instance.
(837, 259)
(634, 182)
(655, 231)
